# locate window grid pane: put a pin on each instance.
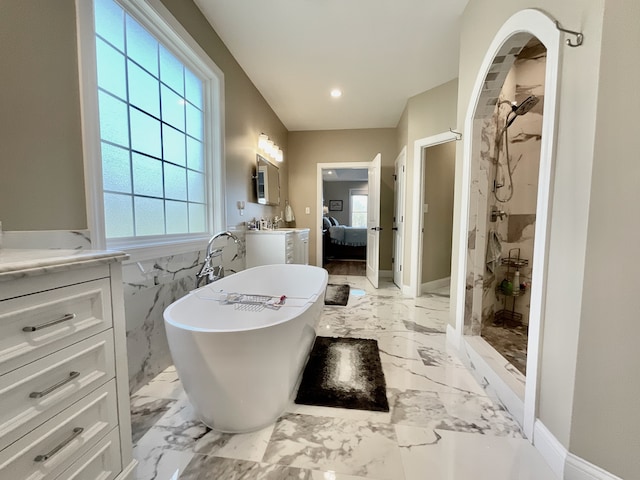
(359, 211)
(152, 150)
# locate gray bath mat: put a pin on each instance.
(345, 373)
(336, 295)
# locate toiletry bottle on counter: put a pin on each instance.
(516, 281)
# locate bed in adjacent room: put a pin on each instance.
(343, 241)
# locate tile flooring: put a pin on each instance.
(441, 424)
(510, 342)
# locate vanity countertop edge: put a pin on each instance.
(18, 263)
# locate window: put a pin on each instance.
(358, 208)
(159, 127)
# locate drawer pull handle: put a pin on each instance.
(42, 458)
(43, 393)
(64, 318)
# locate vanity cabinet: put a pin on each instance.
(63, 366)
(267, 247)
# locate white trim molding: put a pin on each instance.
(415, 226)
(515, 30)
(564, 464)
(550, 448)
(578, 469)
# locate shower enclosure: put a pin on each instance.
(507, 178)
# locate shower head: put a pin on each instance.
(526, 105)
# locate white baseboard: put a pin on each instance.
(565, 465)
(435, 284)
(385, 274)
(554, 453)
(578, 469)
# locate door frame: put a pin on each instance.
(538, 24)
(399, 207)
(319, 168)
(419, 146)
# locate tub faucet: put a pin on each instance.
(208, 272)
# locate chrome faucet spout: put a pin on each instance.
(208, 272)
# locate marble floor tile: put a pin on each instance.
(452, 411)
(441, 425)
(344, 446)
(164, 385)
(145, 412)
(444, 455)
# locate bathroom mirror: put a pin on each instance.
(267, 182)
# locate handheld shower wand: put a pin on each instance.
(516, 110)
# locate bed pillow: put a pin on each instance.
(326, 223)
(333, 221)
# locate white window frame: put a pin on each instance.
(352, 192)
(155, 17)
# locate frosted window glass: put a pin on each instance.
(147, 176)
(149, 216)
(110, 22)
(141, 46)
(118, 215)
(171, 71)
(177, 217)
(172, 108)
(116, 174)
(112, 76)
(175, 182)
(145, 133)
(194, 121)
(193, 88)
(195, 156)
(196, 187)
(143, 90)
(113, 120)
(197, 219)
(173, 145)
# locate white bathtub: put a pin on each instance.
(239, 368)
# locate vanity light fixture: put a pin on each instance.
(269, 148)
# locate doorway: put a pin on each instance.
(344, 192)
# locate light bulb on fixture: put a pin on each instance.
(262, 141)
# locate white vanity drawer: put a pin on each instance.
(50, 449)
(36, 325)
(102, 462)
(34, 393)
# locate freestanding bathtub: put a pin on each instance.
(238, 366)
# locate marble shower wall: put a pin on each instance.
(510, 78)
(516, 230)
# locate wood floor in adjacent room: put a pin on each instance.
(346, 267)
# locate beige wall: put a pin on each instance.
(41, 176)
(606, 421)
(585, 251)
(308, 148)
(430, 113)
(439, 176)
(340, 191)
(41, 169)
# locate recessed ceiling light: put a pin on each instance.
(336, 92)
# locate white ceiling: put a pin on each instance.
(345, 175)
(379, 52)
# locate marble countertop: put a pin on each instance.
(278, 230)
(18, 262)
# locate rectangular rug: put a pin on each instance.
(336, 294)
(344, 373)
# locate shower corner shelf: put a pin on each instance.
(509, 317)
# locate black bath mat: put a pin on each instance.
(336, 295)
(345, 373)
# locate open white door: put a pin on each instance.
(398, 217)
(373, 222)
